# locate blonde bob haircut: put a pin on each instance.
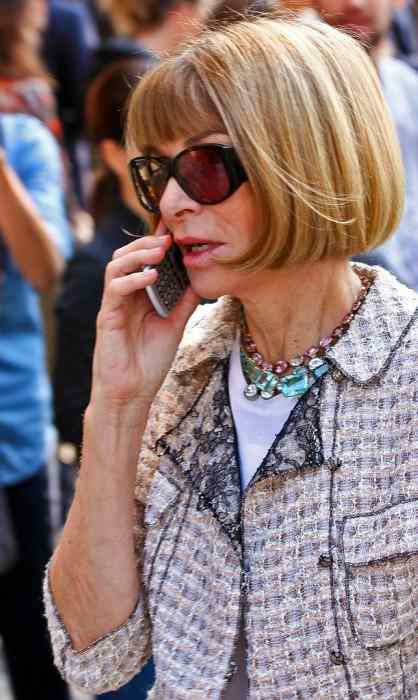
(302, 105)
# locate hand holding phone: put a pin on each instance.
(135, 348)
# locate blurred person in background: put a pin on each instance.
(34, 240)
(117, 215)
(370, 21)
(156, 26)
(69, 44)
(25, 85)
(405, 33)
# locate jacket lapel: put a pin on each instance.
(203, 446)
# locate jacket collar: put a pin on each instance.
(377, 330)
(361, 355)
(209, 335)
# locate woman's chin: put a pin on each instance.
(209, 286)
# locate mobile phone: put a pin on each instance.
(171, 283)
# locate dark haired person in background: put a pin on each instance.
(154, 25)
(25, 85)
(116, 214)
(69, 44)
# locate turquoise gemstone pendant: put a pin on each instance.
(268, 384)
(296, 383)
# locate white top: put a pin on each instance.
(256, 423)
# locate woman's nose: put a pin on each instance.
(175, 202)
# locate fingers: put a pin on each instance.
(121, 287)
(133, 262)
(124, 274)
(144, 243)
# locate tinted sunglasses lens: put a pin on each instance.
(204, 175)
(152, 180)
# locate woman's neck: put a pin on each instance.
(290, 310)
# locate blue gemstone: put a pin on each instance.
(296, 383)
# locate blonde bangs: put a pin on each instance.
(169, 100)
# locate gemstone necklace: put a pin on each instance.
(295, 377)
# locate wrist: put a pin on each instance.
(117, 415)
(111, 443)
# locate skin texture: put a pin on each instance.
(35, 19)
(25, 233)
(371, 18)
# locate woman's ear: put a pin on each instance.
(114, 156)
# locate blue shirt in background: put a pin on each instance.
(24, 389)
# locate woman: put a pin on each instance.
(116, 213)
(270, 550)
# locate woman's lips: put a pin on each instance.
(195, 256)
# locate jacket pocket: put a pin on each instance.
(380, 553)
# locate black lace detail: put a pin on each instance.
(299, 443)
(204, 446)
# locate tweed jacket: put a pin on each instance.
(319, 555)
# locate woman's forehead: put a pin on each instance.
(165, 128)
(170, 148)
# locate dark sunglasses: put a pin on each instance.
(208, 173)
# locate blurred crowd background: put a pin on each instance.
(66, 203)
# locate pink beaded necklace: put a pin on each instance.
(295, 376)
